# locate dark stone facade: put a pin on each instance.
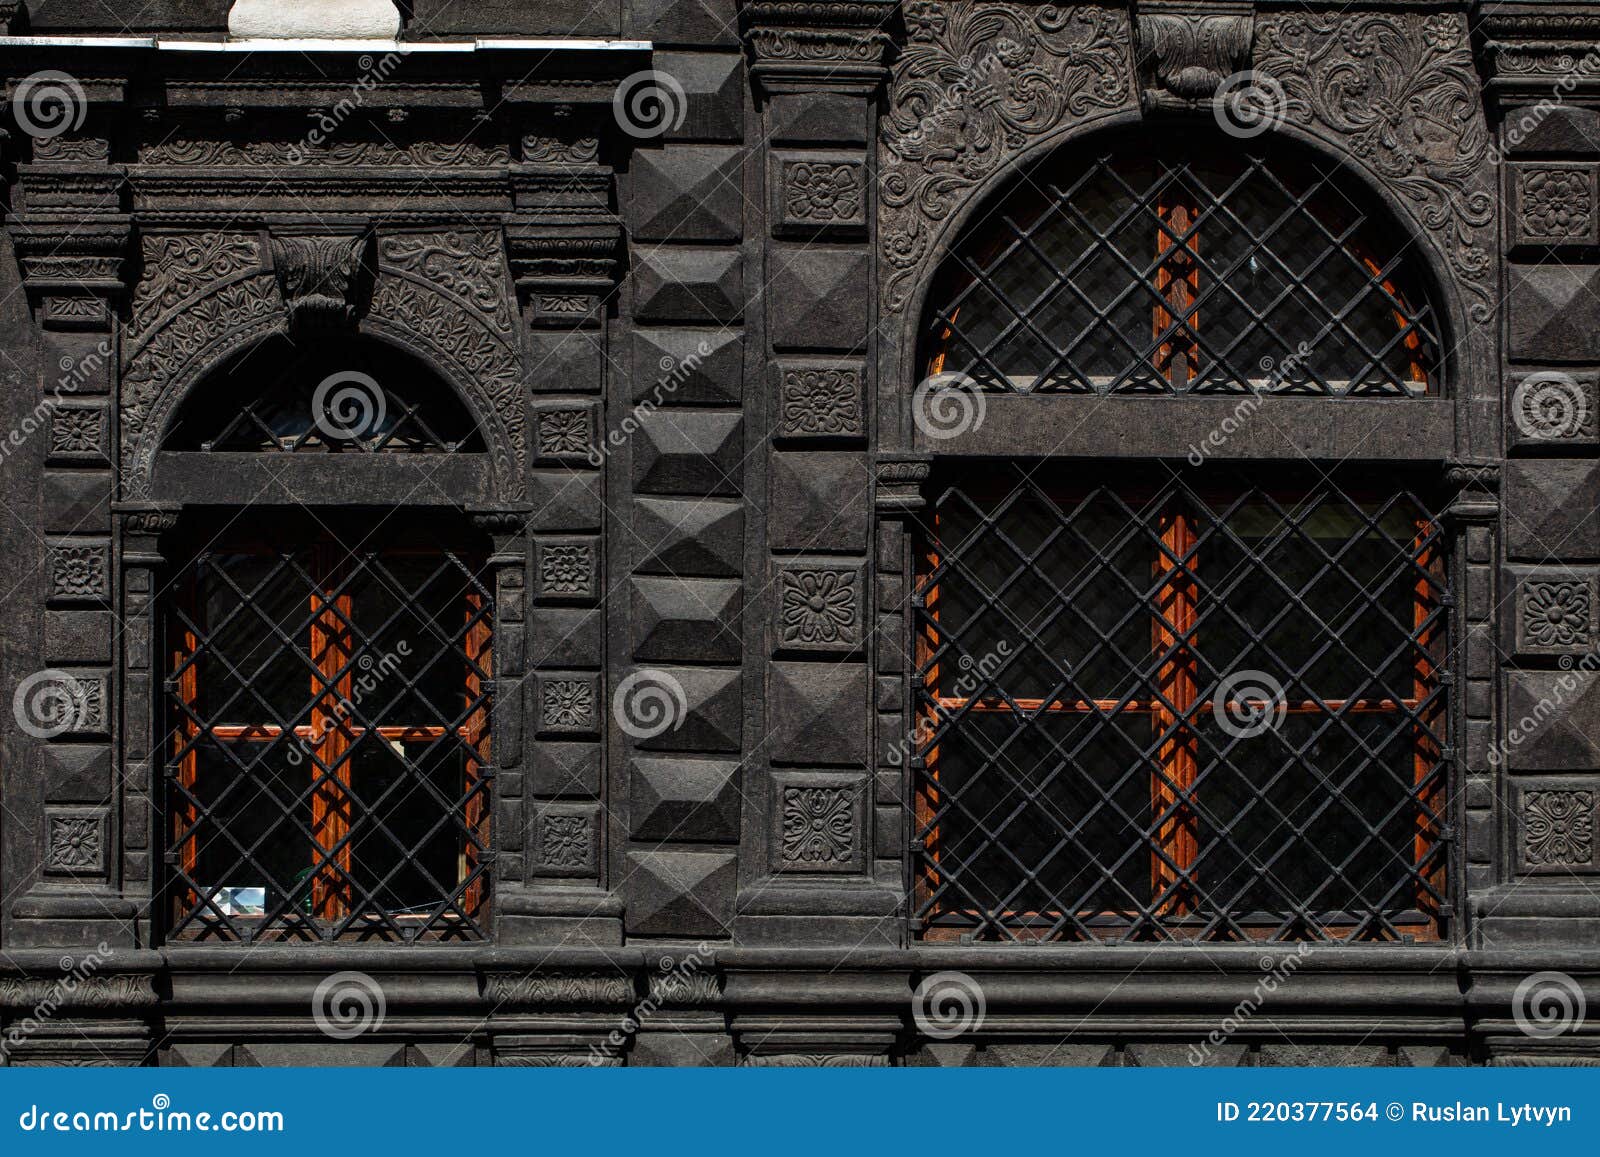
(767, 255)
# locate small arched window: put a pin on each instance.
(1200, 269)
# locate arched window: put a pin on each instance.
(1171, 697)
(328, 644)
(1207, 269)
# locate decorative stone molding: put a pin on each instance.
(313, 20)
(72, 266)
(129, 990)
(826, 40)
(317, 274)
(1530, 47)
(1398, 91)
(816, 1061)
(975, 86)
(899, 483)
(545, 989)
(1187, 48)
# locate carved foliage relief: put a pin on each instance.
(975, 85)
(1400, 93)
(199, 294)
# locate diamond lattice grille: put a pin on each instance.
(1179, 711)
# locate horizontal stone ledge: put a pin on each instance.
(315, 45)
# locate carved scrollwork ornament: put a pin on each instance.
(975, 85)
(318, 276)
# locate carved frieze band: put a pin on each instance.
(447, 295)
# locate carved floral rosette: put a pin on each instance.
(976, 84)
(445, 295)
(1399, 92)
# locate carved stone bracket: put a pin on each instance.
(900, 480)
(1187, 48)
(564, 274)
(1475, 488)
(975, 86)
(317, 274)
(72, 267)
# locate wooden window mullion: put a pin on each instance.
(1177, 759)
(330, 802)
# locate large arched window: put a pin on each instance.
(328, 644)
(1172, 698)
(1209, 269)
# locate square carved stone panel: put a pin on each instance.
(820, 400)
(569, 704)
(1555, 826)
(1553, 411)
(565, 840)
(565, 432)
(819, 822)
(819, 605)
(75, 841)
(566, 569)
(1555, 610)
(79, 432)
(1554, 203)
(80, 570)
(817, 194)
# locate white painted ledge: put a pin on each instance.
(314, 19)
(401, 47)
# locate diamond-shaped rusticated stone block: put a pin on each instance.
(1552, 721)
(1554, 203)
(687, 193)
(689, 537)
(688, 452)
(713, 95)
(680, 893)
(819, 501)
(681, 21)
(1550, 509)
(1556, 611)
(686, 620)
(692, 800)
(688, 366)
(1542, 129)
(1555, 826)
(689, 285)
(818, 712)
(820, 298)
(1555, 312)
(687, 709)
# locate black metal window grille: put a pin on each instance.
(1175, 712)
(327, 759)
(1217, 272)
(328, 396)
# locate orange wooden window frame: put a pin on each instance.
(1174, 615)
(330, 736)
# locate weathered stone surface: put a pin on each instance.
(681, 893)
(689, 800)
(314, 19)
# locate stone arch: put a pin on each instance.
(443, 298)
